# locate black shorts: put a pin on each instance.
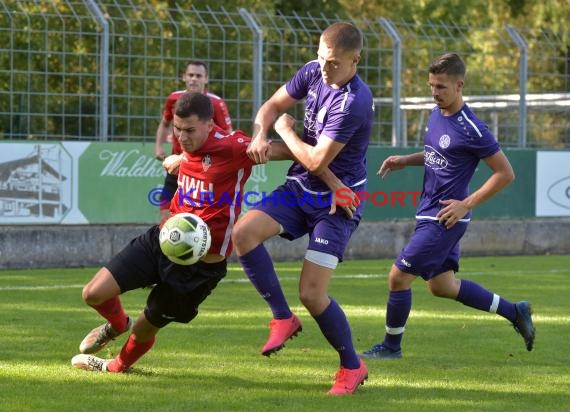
(177, 290)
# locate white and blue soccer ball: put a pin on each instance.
(185, 238)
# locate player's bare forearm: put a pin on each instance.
(453, 209)
(398, 162)
(280, 151)
(330, 179)
(259, 149)
(162, 133)
(502, 176)
(313, 158)
(349, 199)
(294, 144)
(415, 159)
(265, 117)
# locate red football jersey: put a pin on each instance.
(211, 182)
(221, 114)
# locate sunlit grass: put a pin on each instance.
(455, 358)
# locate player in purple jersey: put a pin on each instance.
(454, 142)
(330, 154)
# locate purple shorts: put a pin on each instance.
(300, 212)
(432, 249)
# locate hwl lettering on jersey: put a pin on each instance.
(195, 189)
(434, 159)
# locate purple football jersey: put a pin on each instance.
(345, 115)
(453, 146)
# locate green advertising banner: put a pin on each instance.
(113, 183)
(115, 180)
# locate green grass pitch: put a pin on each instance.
(455, 358)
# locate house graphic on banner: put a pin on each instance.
(31, 186)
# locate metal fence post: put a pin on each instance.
(257, 58)
(397, 138)
(103, 71)
(523, 74)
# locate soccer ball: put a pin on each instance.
(185, 238)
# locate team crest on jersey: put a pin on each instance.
(444, 141)
(206, 162)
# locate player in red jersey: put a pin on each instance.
(214, 165)
(195, 77)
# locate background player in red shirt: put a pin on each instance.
(195, 77)
(214, 161)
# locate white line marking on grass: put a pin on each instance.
(46, 287)
(226, 280)
(244, 279)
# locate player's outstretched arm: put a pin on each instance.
(398, 162)
(259, 148)
(280, 151)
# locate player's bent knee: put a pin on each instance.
(90, 296)
(440, 292)
(241, 238)
(249, 233)
(238, 232)
(85, 294)
(310, 298)
(436, 292)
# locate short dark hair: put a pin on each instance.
(194, 104)
(448, 63)
(197, 63)
(343, 35)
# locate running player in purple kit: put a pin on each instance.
(454, 142)
(337, 125)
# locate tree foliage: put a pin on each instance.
(52, 56)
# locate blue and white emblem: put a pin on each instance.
(444, 141)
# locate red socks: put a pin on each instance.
(113, 311)
(131, 352)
